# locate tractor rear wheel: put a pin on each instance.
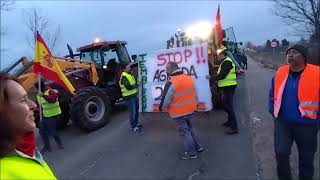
(90, 108)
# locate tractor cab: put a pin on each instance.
(109, 58)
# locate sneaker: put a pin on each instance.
(186, 155)
(136, 129)
(200, 149)
(61, 147)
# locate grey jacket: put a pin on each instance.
(169, 91)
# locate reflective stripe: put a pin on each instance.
(306, 104)
(182, 104)
(47, 106)
(311, 112)
(226, 80)
(183, 93)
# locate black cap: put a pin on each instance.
(302, 49)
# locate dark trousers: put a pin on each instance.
(133, 105)
(187, 134)
(49, 128)
(227, 98)
(305, 136)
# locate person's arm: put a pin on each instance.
(229, 54)
(167, 95)
(226, 67)
(271, 97)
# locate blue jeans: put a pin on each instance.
(187, 133)
(48, 128)
(133, 105)
(305, 136)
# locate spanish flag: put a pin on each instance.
(218, 34)
(46, 65)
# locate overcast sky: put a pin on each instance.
(145, 25)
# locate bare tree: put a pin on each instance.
(36, 21)
(302, 15)
(5, 5)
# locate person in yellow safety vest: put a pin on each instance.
(227, 83)
(50, 111)
(19, 158)
(179, 98)
(129, 90)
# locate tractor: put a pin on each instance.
(95, 73)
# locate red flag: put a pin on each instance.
(218, 29)
(46, 65)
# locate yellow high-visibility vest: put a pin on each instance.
(48, 109)
(132, 82)
(17, 167)
(231, 78)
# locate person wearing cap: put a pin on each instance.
(180, 99)
(51, 110)
(129, 89)
(227, 83)
(294, 104)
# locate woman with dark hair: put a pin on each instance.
(19, 158)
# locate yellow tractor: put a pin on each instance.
(95, 73)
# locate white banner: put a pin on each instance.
(193, 60)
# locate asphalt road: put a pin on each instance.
(114, 152)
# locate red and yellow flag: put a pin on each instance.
(46, 65)
(218, 34)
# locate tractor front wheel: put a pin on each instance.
(90, 108)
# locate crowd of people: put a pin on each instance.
(293, 103)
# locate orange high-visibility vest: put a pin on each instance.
(308, 90)
(184, 99)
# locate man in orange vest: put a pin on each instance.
(179, 98)
(294, 103)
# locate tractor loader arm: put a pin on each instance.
(28, 78)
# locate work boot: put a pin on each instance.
(186, 155)
(226, 124)
(200, 149)
(232, 131)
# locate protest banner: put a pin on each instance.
(192, 60)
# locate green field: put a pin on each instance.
(270, 59)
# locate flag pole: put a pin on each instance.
(39, 78)
(39, 91)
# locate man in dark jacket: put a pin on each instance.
(227, 83)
